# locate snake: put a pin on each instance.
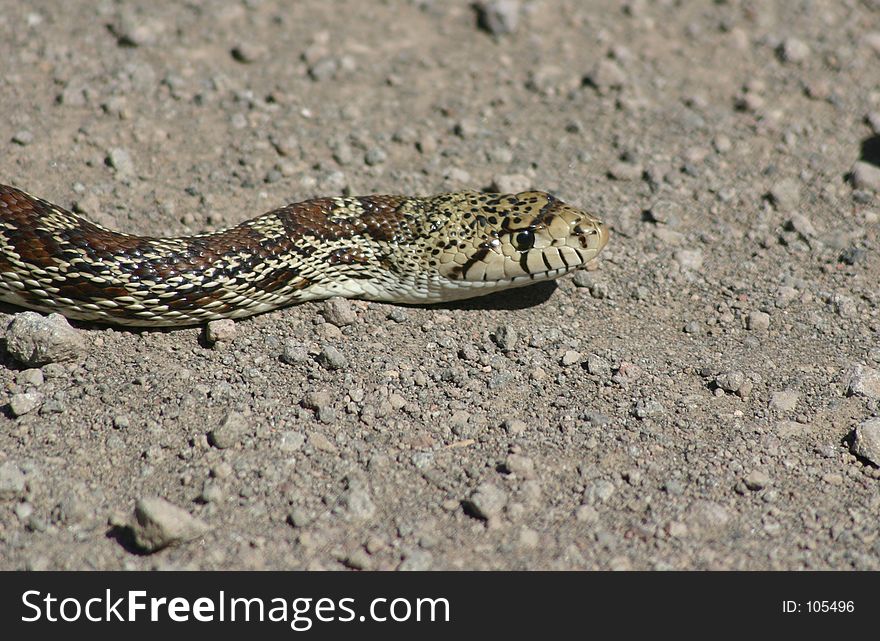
(387, 248)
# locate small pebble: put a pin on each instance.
(625, 171)
(853, 256)
(873, 120)
(498, 17)
(722, 143)
(692, 327)
(673, 488)
(598, 492)
(159, 524)
(872, 40)
(12, 481)
(317, 400)
(137, 31)
(707, 519)
(375, 156)
(665, 212)
(756, 480)
(398, 315)
(74, 93)
(648, 409)
(23, 510)
(230, 431)
(427, 144)
(323, 68)
(22, 403)
(833, 479)
(487, 502)
(71, 510)
(758, 321)
(321, 442)
(596, 419)
(219, 331)
(802, 226)
(466, 128)
(570, 357)
(510, 183)
(598, 366)
(299, 517)
(606, 75)
(730, 381)
(339, 312)
(586, 514)
(287, 146)
(416, 561)
(505, 337)
(221, 470)
(331, 358)
(529, 538)
(751, 102)
(793, 50)
(31, 376)
(294, 352)
(583, 278)
(784, 401)
(866, 176)
(211, 492)
(785, 194)
(520, 465)
(689, 259)
(514, 426)
(121, 161)
(23, 138)
(457, 176)
(356, 499)
(785, 296)
(248, 52)
(290, 441)
(359, 560)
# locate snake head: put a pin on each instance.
(503, 241)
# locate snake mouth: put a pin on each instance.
(529, 254)
(586, 238)
(536, 265)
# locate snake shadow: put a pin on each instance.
(508, 299)
(870, 150)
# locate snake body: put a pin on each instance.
(398, 249)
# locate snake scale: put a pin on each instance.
(398, 249)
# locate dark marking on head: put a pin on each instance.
(476, 257)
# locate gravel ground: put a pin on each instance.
(705, 396)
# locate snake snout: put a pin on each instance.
(591, 235)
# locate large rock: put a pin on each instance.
(35, 340)
(866, 441)
(864, 381)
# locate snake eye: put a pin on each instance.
(525, 240)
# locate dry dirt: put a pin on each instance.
(686, 404)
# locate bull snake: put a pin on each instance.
(398, 249)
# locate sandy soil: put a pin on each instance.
(688, 403)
